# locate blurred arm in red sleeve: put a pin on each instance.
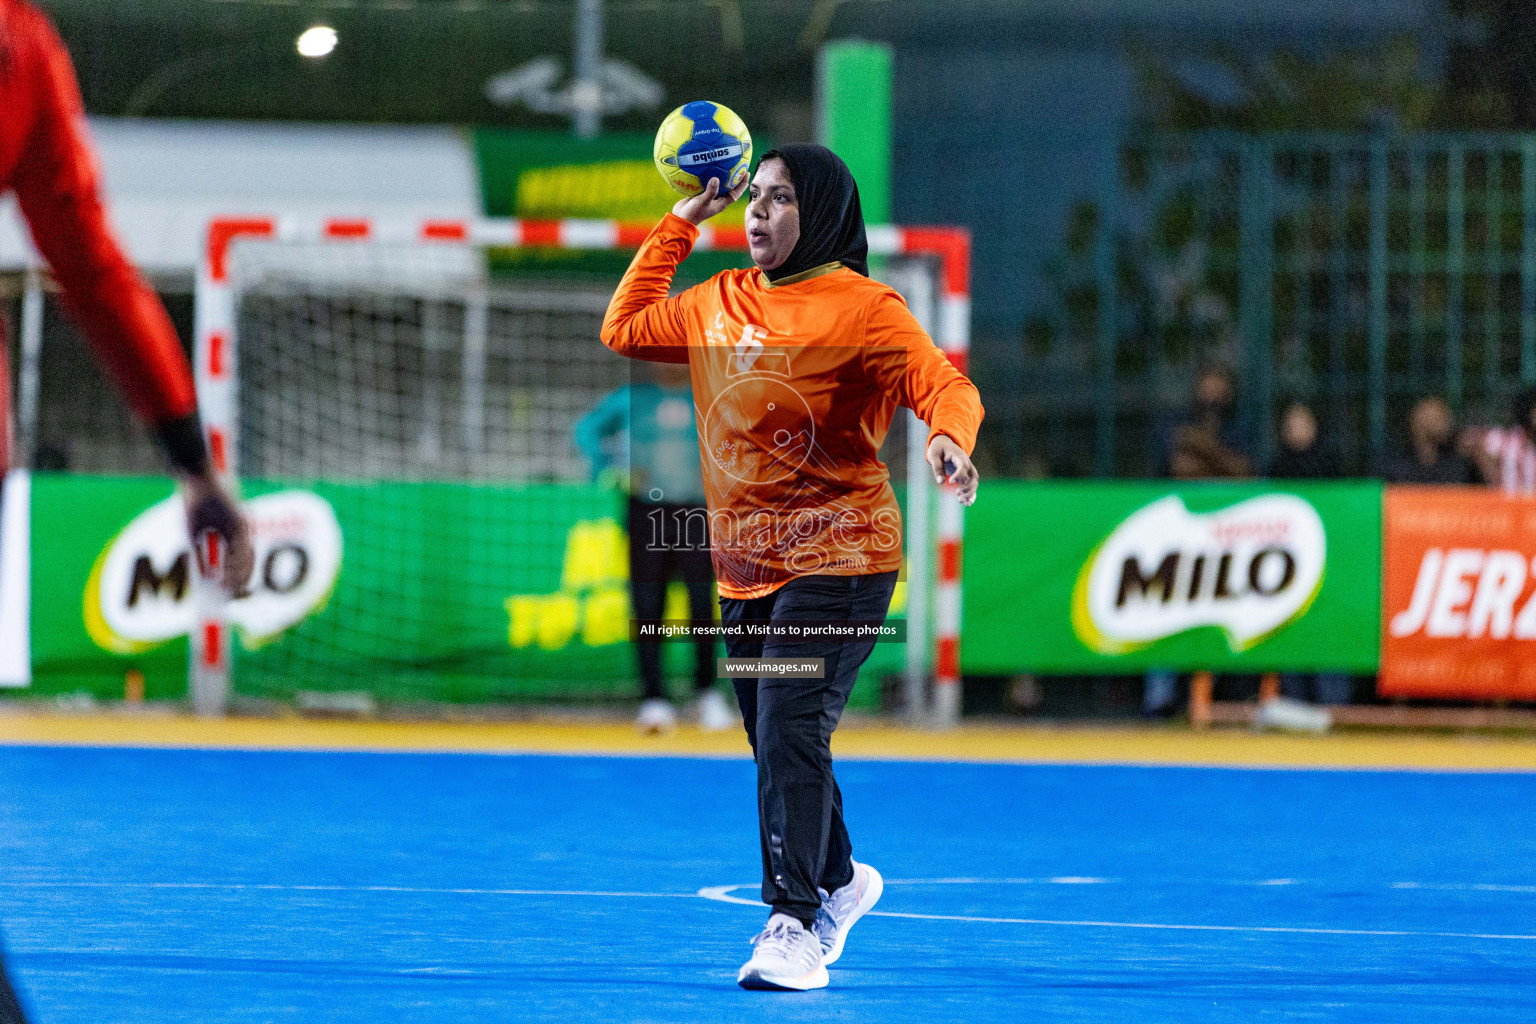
(57, 183)
(45, 155)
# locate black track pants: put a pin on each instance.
(789, 723)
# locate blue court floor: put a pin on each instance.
(186, 886)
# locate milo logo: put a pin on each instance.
(1248, 569)
(139, 593)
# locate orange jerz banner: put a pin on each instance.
(1458, 602)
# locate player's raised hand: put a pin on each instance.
(951, 465)
(698, 209)
(221, 538)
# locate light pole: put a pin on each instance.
(587, 90)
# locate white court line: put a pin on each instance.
(1170, 882)
(1197, 927)
(1061, 880)
(722, 894)
(1464, 886)
(342, 888)
(714, 890)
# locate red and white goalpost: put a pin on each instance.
(217, 362)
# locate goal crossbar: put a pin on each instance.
(215, 369)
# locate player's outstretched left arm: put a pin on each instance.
(906, 364)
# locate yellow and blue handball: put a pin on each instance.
(699, 141)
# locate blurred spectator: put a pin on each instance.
(1204, 445)
(668, 525)
(1302, 455)
(1507, 456)
(1432, 457)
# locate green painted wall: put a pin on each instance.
(853, 113)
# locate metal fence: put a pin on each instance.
(1356, 273)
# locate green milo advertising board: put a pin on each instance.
(409, 591)
(1121, 577)
(427, 591)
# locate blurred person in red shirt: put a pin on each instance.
(46, 158)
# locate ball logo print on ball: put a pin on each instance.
(701, 141)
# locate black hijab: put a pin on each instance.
(831, 220)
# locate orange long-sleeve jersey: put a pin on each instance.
(795, 384)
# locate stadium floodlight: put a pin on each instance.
(317, 41)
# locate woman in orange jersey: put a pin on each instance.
(798, 366)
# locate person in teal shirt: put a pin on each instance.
(646, 433)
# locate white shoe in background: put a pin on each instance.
(656, 716)
(787, 957)
(843, 908)
(715, 714)
(1288, 715)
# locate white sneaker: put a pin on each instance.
(841, 909)
(714, 713)
(656, 716)
(787, 957)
